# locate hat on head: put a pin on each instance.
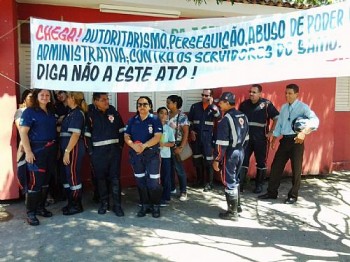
(229, 97)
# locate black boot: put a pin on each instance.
(69, 200)
(242, 178)
(116, 195)
(210, 171)
(239, 207)
(199, 164)
(259, 181)
(145, 202)
(32, 200)
(74, 203)
(232, 204)
(103, 207)
(104, 197)
(155, 197)
(41, 210)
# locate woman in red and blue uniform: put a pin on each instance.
(38, 136)
(73, 150)
(142, 135)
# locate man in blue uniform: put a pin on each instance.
(232, 135)
(259, 112)
(202, 117)
(291, 145)
(105, 128)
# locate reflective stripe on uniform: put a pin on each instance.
(140, 175)
(106, 142)
(233, 129)
(222, 142)
(209, 158)
(74, 130)
(209, 123)
(65, 134)
(76, 187)
(21, 163)
(197, 156)
(256, 124)
(88, 134)
(121, 130)
(65, 185)
(154, 176)
(196, 121)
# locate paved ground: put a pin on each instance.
(317, 228)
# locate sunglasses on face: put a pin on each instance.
(142, 104)
(204, 95)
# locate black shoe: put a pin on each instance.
(43, 212)
(208, 187)
(142, 212)
(72, 210)
(290, 200)
(156, 212)
(229, 216)
(267, 196)
(118, 211)
(258, 189)
(103, 208)
(32, 219)
(239, 209)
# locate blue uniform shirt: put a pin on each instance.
(143, 131)
(42, 125)
(289, 113)
(259, 116)
(232, 132)
(102, 126)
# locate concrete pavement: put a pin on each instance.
(317, 228)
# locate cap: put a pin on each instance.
(229, 97)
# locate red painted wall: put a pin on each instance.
(318, 93)
(341, 128)
(8, 97)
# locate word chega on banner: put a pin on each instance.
(196, 54)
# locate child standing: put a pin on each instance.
(167, 141)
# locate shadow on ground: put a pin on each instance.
(315, 229)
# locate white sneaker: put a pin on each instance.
(183, 197)
(173, 192)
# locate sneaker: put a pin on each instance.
(183, 197)
(173, 191)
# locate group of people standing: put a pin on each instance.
(222, 139)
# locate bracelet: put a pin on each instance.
(66, 151)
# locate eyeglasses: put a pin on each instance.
(142, 104)
(102, 100)
(204, 95)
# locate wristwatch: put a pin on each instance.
(66, 151)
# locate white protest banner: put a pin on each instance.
(127, 57)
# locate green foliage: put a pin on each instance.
(311, 3)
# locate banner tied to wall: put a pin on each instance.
(190, 54)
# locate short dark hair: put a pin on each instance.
(161, 108)
(97, 95)
(176, 99)
(259, 87)
(294, 87)
(211, 90)
(25, 94)
(149, 100)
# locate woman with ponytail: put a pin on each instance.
(73, 150)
